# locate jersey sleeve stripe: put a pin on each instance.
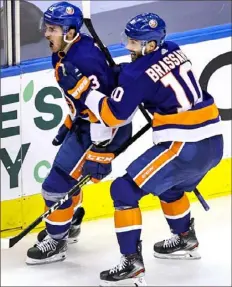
(107, 115)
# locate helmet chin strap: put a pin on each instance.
(143, 50)
(63, 52)
(70, 41)
(144, 43)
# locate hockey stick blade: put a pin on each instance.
(5, 243)
(8, 243)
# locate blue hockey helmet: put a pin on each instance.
(64, 14)
(146, 27)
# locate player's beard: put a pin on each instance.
(135, 55)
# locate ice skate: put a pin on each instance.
(47, 251)
(74, 231)
(130, 270)
(180, 246)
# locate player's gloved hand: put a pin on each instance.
(71, 80)
(62, 132)
(98, 163)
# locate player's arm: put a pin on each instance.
(114, 111)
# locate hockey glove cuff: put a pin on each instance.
(98, 163)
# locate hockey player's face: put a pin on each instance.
(135, 48)
(54, 34)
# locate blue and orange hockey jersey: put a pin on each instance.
(163, 80)
(87, 57)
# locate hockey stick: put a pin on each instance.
(89, 25)
(8, 243)
(104, 49)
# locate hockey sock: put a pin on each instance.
(177, 213)
(128, 224)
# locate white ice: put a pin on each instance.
(97, 250)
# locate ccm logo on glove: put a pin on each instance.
(100, 157)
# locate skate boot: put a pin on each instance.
(180, 246)
(130, 270)
(47, 251)
(74, 231)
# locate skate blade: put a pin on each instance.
(179, 255)
(52, 259)
(72, 240)
(139, 281)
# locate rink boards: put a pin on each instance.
(32, 109)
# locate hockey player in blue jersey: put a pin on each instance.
(187, 142)
(86, 143)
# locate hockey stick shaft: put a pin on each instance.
(104, 49)
(201, 199)
(8, 243)
(89, 25)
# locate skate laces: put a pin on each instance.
(120, 266)
(171, 242)
(47, 244)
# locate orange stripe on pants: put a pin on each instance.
(161, 160)
(127, 218)
(176, 209)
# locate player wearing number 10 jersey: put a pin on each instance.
(187, 143)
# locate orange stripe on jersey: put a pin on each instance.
(127, 217)
(107, 116)
(191, 117)
(68, 122)
(56, 70)
(158, 162)
(61, 215)
(91, 115)
(177, 207)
